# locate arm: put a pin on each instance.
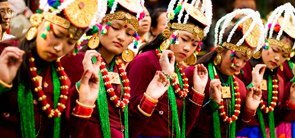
(81, 118)
(140, 73)
(199, 75)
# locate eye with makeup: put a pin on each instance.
(57, 34)
(115, 26)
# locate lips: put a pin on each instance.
(273, 63)
(117, 44)
(52, 55)
(182, 55)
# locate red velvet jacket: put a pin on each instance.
(204, 125)
(81, 127)
(140, 73)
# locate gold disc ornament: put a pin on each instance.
(128, 55)
(78, 12)
(93, 42)
(191, 60)
(32, 33)
(251, 38)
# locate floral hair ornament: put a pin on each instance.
(281, 20)
(251, 26)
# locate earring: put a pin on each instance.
(281, 67)
(35, 21)
(128, 55)
(257, 55)
(93, 42)
(191, 60)
(217, 60)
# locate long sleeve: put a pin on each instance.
(140, 73)
(194, 102)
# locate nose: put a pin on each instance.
(277, 58)
(58, 48)
(121, 35)
(186, 48)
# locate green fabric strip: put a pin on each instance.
(103, 110)
(126, 123)
(291, 65)
(261, 122)
(56, 94)
(232, 126)
(215, 114)
(183, 116)
(270, 114)
(173, 105)
(26, 108)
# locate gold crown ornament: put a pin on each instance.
(281, 20)
(251, 26)
(74, 15)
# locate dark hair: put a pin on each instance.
(154, 44)
(155, 15)
(23, 72)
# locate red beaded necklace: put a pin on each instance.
(110, 90)
(40, 93)
(237, 109)
(180, 93)
(274, 99)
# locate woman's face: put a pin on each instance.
(56, 44)
(186, 46)
(145, 23)
(228, 67)
(162, 19)
(274, 56)
(118, 37)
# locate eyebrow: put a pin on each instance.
(56, 31)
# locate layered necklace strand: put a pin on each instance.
(274, 99)
(109, 88)
(40, 93)
(237, 100)
(175, 84)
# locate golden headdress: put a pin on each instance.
(251, 27)
(74, 15)
(281, 20)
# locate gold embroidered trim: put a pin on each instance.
(242, 48)
(195, 30)
(284, 46)
(120, 15)
(57, 20)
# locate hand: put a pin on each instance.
(167, 61)
(292, 93)
(215, 90)
(253, 98)
(257, 74)
(10, 60)
(89, 83)
(200, 78)
(158, 86)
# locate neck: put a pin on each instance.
(106, 55)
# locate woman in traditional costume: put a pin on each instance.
(264, 71)
(33, 85)
(161, 112)
(227, 102)
(105, 113)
